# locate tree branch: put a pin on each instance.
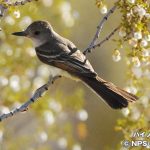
(18, 3)
(4, 6)
(99, 29)
(2, 10)
(106, 38)
(37, 94)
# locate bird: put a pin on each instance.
(63, 56)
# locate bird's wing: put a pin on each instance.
(65, 56)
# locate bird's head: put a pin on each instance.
(38, 31)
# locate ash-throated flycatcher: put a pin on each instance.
(54, 50)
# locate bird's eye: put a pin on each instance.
(37, 32)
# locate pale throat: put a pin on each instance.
(38, 42)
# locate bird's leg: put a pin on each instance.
(56, 77)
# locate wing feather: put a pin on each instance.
(63, 53)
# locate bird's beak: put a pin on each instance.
(22, 33)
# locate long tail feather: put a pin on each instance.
(114, 96)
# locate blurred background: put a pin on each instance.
(69, 116)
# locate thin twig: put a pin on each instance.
(106, 38)
(38, 93)
(4, 6)
(99, 29)
(17, 3)
(2, 10)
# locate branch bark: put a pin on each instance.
(2, 10)
(106, 38)
(18, 3)
(99, 29)
(37, 94)
(4, 6)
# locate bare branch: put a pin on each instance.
(4, 6)
(2, 10)
(106, 38)
(38, 93)
(99, 29)
(17, 3)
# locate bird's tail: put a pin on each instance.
(114, 96)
